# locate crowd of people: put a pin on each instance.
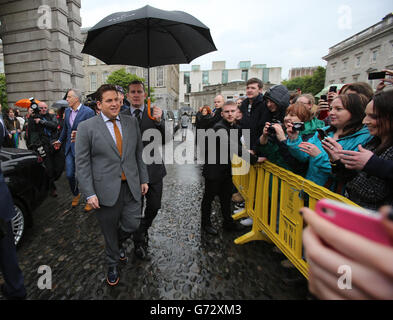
(344, 143)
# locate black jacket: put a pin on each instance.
(279, 94)
(254, 119)
(155, 170)
(223, 169)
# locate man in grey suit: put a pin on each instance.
(111, 173)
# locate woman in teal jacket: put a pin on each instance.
(347, 113)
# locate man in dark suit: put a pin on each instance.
(13, 288)
(136, 96)
(74, 115)
(111, 173)
(218, 173)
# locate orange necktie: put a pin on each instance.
(119, 144)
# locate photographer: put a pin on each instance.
(42, 129)
(273, 142)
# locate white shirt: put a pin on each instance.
(110, 125)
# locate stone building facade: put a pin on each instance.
(164, 79)
(194, 81)
(301, 72)
(370, 50)
(41, 46)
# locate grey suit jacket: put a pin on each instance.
(98, 162)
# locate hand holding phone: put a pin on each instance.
(364, 222)
(376, 75)
(321, 134)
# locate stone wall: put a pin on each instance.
(42, 45)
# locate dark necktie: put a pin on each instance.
(119, 143)
(137, 115)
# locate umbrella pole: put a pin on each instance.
(148, 72)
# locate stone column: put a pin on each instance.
(41, 44)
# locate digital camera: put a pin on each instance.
(271, 131)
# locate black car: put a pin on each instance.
(25, 176)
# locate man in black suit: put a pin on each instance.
(136, 96)
(13, 288)
(218, 173)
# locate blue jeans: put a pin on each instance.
(70, 173)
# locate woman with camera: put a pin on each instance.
(347, 113)
(368, 188)
(273, 145)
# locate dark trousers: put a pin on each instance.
(13, 277)
(118, 222)
(70, 173)
(223, 189)
(153, 204)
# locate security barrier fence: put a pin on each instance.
(273, 197)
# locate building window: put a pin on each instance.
(93, 81)
(105, 76)
(1, 66)
(224, 76)
(357, 61)
(92, 61)
(345, 63)
(205, 77)
(245, 75)
(145, 75)
(160, 76)
(186, 78)
(131, 70)
(374, 56)
(334, 68)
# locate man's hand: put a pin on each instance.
(157, 113)
(279, 132)
(37, 120)
(144, 188)
(261, 159)
(355, 160)
(93, 201)
(73, 136)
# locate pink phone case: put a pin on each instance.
(364, 222)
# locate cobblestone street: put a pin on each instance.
(185, 265)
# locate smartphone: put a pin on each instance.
(376, 75)
(321, 134)
(333, 89)
(364, 222)
(324, 97)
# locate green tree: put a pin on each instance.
(308, 84)
(122, 78)
(3, 93)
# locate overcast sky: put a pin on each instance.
(278, 33)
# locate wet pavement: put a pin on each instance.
(185, 263)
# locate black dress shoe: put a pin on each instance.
(141, 252)
(8, 297)
(210, 230)
(113, 276)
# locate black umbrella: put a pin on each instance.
(148, 37)
(60, 104)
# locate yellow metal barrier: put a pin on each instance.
(273, 197)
